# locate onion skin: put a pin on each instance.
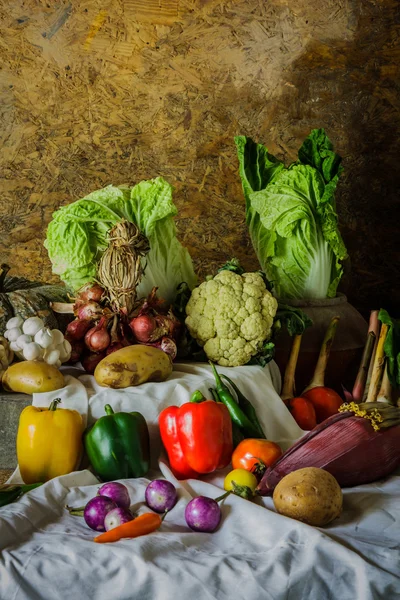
(117, 492)
(203, 514)
(88, 310)
(90, 361)
(143, 328)
(160, 495)
(77, 329)
(91, 292)
(96, 510)
(116, 517)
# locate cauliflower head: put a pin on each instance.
(231, 316)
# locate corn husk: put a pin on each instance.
(357, 446)
(120, 267)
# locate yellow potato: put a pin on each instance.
(310, 495)
(31, 376)
(133, 365)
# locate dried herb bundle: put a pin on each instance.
(120, 268)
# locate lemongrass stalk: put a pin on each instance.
(385, 392)
(288, 389)
(375, 327)
(318, 379)
(378, 367)
(359, 384)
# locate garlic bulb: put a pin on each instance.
(44, 337)
(31, 351)
(32, 325)
(31, 340)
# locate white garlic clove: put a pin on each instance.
(44, 337)
(58, 364)
(13, 334)
(58, 337)
(31, 351)
(52, 356)
(67, 346)
(24, 339)
(14, 322)
(32, 325)
(14, 347)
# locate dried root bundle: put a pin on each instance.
(120, 268)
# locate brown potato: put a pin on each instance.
(310, 495)
(133, 365)
(32, 376)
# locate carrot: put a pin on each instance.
(142, 525)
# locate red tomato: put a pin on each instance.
(325, 401)
(255, 455)
(303, 413)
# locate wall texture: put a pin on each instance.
(116, 91)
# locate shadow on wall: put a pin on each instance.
(351, 89)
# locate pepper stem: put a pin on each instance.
(197, 397)
(54, 404)
(222, 497)
(108, 409)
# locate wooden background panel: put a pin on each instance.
(114, 92)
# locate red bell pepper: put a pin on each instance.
(197, 437)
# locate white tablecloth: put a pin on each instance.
(48, 554)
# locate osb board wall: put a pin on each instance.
(117, 91)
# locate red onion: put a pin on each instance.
(98, 339)
(92, 291)
(77, 329)
(166, 345)
(88, 310)
(114, 347)
(77, 350)
(90, 361)
(143, 328)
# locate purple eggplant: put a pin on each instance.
(116, 517)
(96, 510)
(117, 492)
(203, 514)
(161, 495)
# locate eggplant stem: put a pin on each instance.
(379, 364)
(361, 379)
(318, 379)
(288, 388)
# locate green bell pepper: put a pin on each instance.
(118, 445)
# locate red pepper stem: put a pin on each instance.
(288, 389)
(54, 404)
(222, 497)
(108, 410)
(318, 379)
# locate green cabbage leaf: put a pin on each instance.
(77, 236)
(291, 216)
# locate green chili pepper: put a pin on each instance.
(247, 407)
(9, 493)
(237, 435)
(237, 415)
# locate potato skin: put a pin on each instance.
(311, 495)
(133, 365)
(32, 376)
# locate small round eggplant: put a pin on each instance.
(203, 514)
(160, 495)
(117, 492)
(116, 517)
(96, 510)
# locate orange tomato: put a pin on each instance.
(255, 455)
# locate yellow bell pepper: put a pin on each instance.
(49, 442)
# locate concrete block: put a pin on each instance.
(11, 406)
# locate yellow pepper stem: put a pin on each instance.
(54, 404)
